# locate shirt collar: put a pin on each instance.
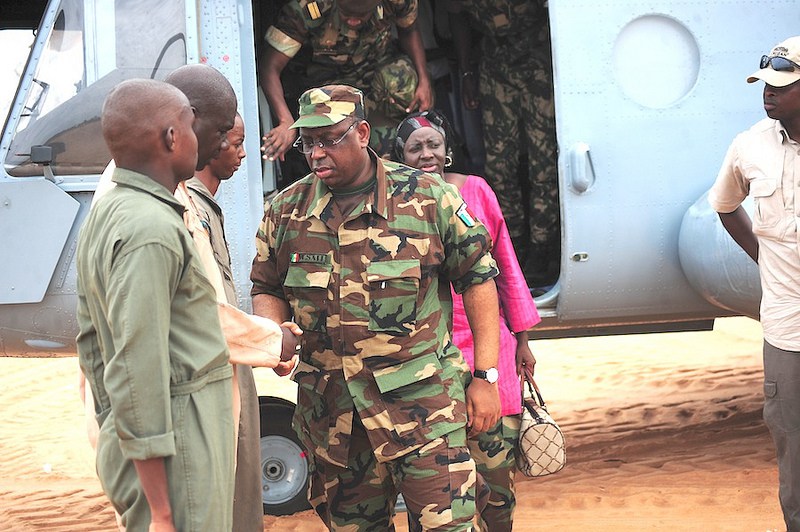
(375, 202)
(782, 136)
(143, 183)
(198, 186)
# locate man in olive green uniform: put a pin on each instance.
(516, 98)
(248, 512)
(150, 343)
(361, 253)
(351, 43)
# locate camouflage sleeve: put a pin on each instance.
(264, 272)
(466, 243)
(290, 30)
(404, 12)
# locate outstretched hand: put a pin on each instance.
(278, 141)
(291, 334)
(423, 97)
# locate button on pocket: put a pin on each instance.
(393, 292)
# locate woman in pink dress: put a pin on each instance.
(422, 142)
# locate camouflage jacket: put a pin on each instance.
(373, 299)
(516, 32)
(337, 49)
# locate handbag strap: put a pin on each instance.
(535, 393)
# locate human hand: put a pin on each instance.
(289, 348)
(483, 406)
(423, 97)
(278, 141)
(469, 90)
(526, 362)
(285, 367)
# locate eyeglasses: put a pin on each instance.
(307, 146)
(781, 64)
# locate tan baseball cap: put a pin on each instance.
(782, 66)
(328, 105)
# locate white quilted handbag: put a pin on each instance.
(541, 450)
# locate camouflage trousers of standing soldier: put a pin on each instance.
(437, 482)
(493, 452)
(519, 118)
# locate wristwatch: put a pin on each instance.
(490, 375)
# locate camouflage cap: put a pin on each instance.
(328, 105)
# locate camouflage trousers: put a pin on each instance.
(493, 452)
(519, 119)
(437, 482)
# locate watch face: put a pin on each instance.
(490, 375)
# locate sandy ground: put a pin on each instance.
(664, 432)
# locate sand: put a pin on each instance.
(664, 432)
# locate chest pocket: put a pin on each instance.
(306, 285)
(393, 294)
(768, 206)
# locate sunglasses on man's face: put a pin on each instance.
(781, 64)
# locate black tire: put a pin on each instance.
(284, 467)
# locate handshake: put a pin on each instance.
(291, 340)
(258, 341)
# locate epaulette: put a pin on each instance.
(315, 9)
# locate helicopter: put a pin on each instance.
(648, 96)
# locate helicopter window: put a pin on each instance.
(90, 49)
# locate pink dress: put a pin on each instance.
(517, 309)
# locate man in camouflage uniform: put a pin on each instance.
(351, 43)
(361, 253)
(516, 97)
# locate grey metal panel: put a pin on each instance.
(648, 96)
(36, 217)
(715, 265)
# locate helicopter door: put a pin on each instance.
(648, 97)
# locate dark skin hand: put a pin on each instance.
(291, 339)
(278, 311)
(526, 362)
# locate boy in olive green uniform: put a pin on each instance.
(361, 253)
(150, 343)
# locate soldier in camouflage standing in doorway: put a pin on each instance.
(515, 82)
(351, 43)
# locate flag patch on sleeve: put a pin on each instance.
(465, 215)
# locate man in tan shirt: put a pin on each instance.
(764, 162)
(248, 512)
